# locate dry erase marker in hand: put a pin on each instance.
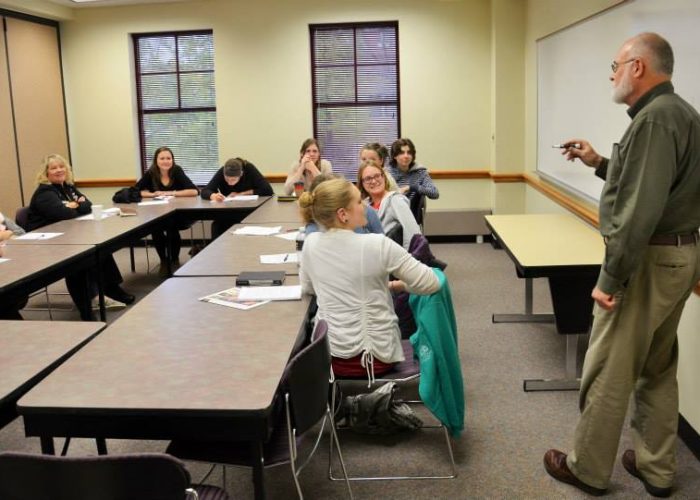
(567, 145)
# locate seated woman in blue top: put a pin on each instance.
(166, 178)
(237, 177)
(56, 198)
(373, 224)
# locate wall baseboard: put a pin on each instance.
(690, 436)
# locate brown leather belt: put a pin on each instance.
(674, 239)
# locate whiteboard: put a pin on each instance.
(574, 93)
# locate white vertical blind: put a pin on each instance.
(177, 100)
(355, 89)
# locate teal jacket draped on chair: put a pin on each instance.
(435, 345)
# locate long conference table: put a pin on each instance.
(29, 351)
(105, 236)
(174, 367)
(569, 254)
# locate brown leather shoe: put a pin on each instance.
(629, 462)
(555, 465)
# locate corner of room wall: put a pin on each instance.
(39, 8)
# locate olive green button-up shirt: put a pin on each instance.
(652, 182)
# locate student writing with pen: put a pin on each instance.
(237, 177)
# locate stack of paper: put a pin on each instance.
(257, 230)
(242, 197)
(291, 292)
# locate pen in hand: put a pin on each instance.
(567, 145)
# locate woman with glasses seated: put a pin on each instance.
(373, 223)
(349, 274)
(392, 207)
(56, 198)
(378, 154)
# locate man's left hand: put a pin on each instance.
(604, 300)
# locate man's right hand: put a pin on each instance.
(217, 197)
(585, 152)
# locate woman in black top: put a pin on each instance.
(237, 177)
(56, 198)
(166, 178)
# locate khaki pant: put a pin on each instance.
(634, 348)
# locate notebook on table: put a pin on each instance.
(260, 278)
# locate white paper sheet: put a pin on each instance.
(291, 236)
(257, 230)
(110, 212)
(291, 292)
(3, 260)
(279, 258)
(38, 236)
(156, 202)
(242, 197)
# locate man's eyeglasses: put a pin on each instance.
(371, 178)
(615, 65)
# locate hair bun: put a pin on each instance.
(306, 199)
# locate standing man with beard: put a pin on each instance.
(649, 218)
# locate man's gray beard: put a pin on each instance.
(622, 91)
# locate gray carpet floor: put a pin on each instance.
(499, 455)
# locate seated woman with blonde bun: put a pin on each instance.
(349, 274)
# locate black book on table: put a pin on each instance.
(260, 278)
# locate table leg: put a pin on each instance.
(573, 306)
(47, 445)
(528, 316)
(571, 382)
(101, 292)
(258, 479)
(101, 446)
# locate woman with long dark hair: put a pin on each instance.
(166, 178)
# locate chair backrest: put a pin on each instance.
(306, 380)
(155, 476)
(22, 217)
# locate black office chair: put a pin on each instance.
(154, 476)
(304, 388)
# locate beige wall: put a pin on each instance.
(40, 8)
(263, 77)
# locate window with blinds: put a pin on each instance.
(177, 100)
(355, 86)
